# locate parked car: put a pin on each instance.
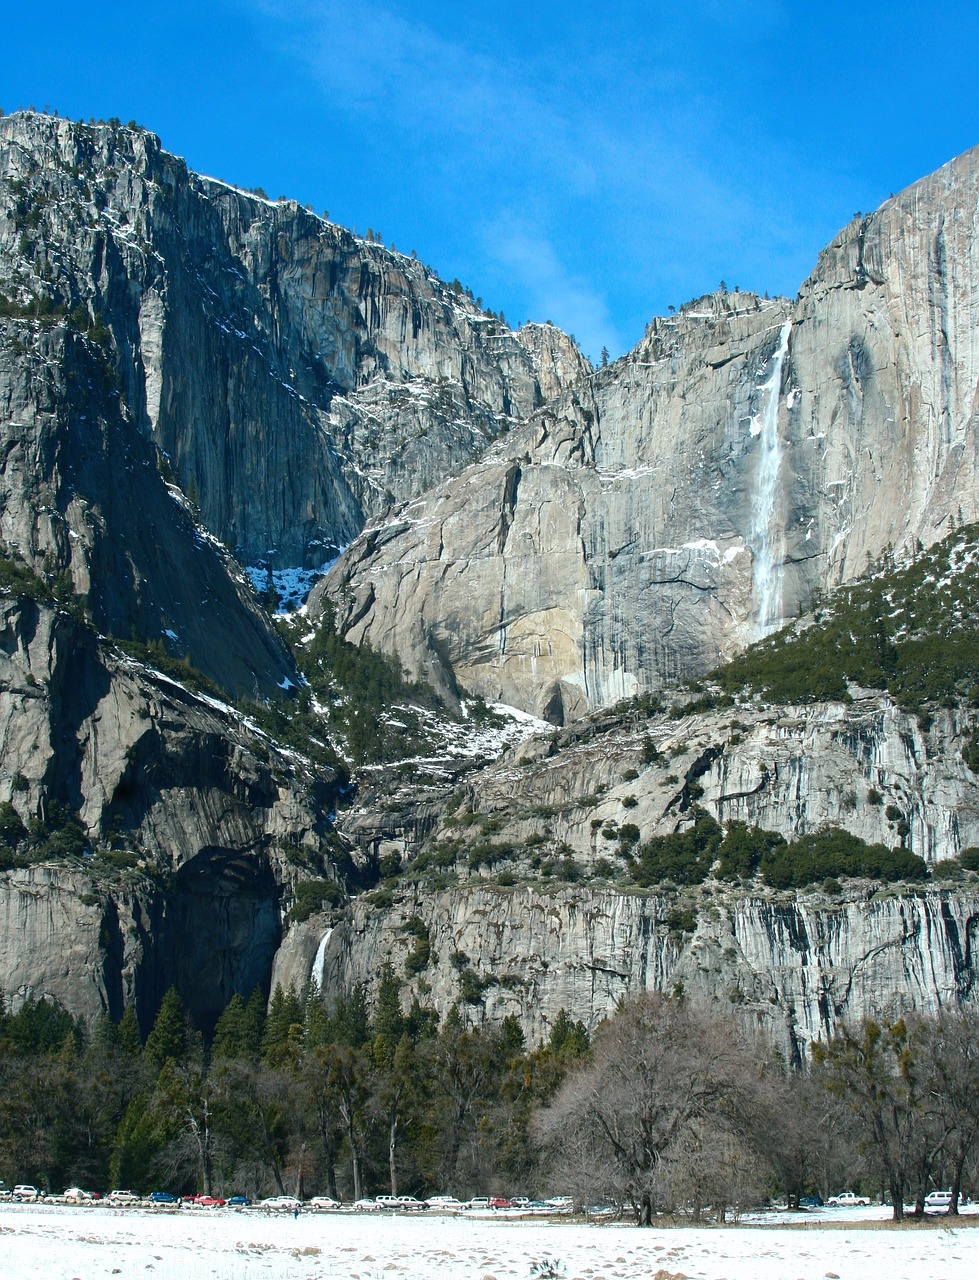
(938, 1201)
(563, 1204)
(24, 1191)
(409, 1202)
(75, 1195)
(847, 1200)
(478, 1202)
(323, 1202)
(445, 1204)
(239, 1202)
(209, 1202)
(366, 1205)
(810, 1202)
(282, 1202)
(163, 1197)
(123, 1197)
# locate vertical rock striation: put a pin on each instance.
(666, 499)
(298, 378)
(196, 828)
(795, 965)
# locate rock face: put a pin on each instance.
(867, 766)
(81, 500)
(795, 962)
(185, 365)
(196, 827)
(695, 494)
(297, 378)
(795, 965)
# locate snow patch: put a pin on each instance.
(291, 586)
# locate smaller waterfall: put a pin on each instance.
(767, 531)
(318, 971)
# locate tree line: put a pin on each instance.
(291, 1098)
(673, 1107)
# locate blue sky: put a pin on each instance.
(581, 163)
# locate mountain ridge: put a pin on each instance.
(641, 493)
(186, 368)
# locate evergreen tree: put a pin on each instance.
(253, 1026)
(40, 1027)
(351, 1019)
(316, 1020)
(568, 1038)
(130, 1041)
(229, 1034)
(168, 1041)
(389, 1022)
(283, 1027)
(137, 1143)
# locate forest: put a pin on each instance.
(672, 1107)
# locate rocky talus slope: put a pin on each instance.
(686, 500)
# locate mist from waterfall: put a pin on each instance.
(767, 532)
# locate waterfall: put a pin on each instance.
(767, 532)
(318, 971)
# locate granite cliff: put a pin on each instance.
(523, 892)
(192, 828)
(297, 378)
(794, 965)
(670, 509)
(194, 378)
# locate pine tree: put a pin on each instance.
(254, 1023)
(351, 1019)
(389, 1021)
(130, 1041)
(316, 1020)
(168, 1041)
(283, 1026)
(229, 1031)
(568, 1038)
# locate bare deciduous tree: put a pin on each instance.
(661, 1115)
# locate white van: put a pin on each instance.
(939, 1201)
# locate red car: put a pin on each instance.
(207, 1202)
(499, 1202)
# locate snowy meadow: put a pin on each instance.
(61, 1243)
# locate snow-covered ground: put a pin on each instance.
(60, 1243)
(291, 586)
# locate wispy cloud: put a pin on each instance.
(554, 291)
(423, 85)
(596, 167)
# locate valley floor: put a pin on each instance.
(89, 1244)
